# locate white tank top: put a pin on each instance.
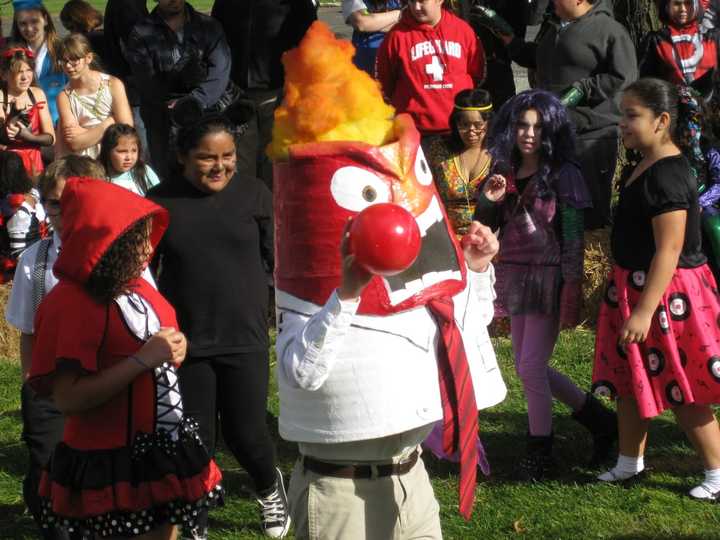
(91, 109)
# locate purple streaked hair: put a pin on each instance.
(557, 146)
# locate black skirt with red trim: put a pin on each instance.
(130, 491)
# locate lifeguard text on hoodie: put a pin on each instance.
(422, 67)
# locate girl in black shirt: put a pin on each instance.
(658, 344)
(213, 266)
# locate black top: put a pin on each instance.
(259, 32)
(212, 263)
(667, 185)
(120, 17)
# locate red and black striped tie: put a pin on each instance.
(460, 414)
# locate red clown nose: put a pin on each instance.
(385, 239)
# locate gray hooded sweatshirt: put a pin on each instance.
(593, 53)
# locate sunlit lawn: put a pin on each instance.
(568, 507)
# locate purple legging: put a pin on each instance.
(533, 341)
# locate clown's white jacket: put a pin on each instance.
(346, 377)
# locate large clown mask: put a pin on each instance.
(323, 184)
(337, 150)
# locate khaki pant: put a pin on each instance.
(388, 508)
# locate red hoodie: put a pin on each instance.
(421, 68)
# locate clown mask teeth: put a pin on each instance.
(431, 278)
(436, 263)
(411, 288)
(416, 286)
(429, 217)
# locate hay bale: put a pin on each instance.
(597, 265)
(9, 336)
(597, 245)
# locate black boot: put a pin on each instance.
(538, 461)
(601, 422)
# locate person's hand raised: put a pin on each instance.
(495, 187)
(479, 246)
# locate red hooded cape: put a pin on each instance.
(95, 479)
(73, 330)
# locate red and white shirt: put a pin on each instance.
(421, 68)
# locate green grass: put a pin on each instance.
(570, 506)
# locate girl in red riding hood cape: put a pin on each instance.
(107, 347)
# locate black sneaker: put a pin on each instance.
(274, 514)
(535, 468)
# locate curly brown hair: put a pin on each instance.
(120, 264)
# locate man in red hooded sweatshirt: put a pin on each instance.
(425, 60)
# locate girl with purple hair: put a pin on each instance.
(536, 199)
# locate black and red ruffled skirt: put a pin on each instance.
(130, 491)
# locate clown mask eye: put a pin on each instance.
(369, 194)
(355, 189)
(422, 169)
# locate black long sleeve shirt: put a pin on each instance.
(120, 18)
(259, 32)
(213, 263)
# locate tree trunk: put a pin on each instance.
(638, 16)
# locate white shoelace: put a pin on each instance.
(273, 508)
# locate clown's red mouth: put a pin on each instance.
(436, 262)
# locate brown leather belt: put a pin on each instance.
(360, 471)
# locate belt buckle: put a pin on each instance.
(374, 473)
